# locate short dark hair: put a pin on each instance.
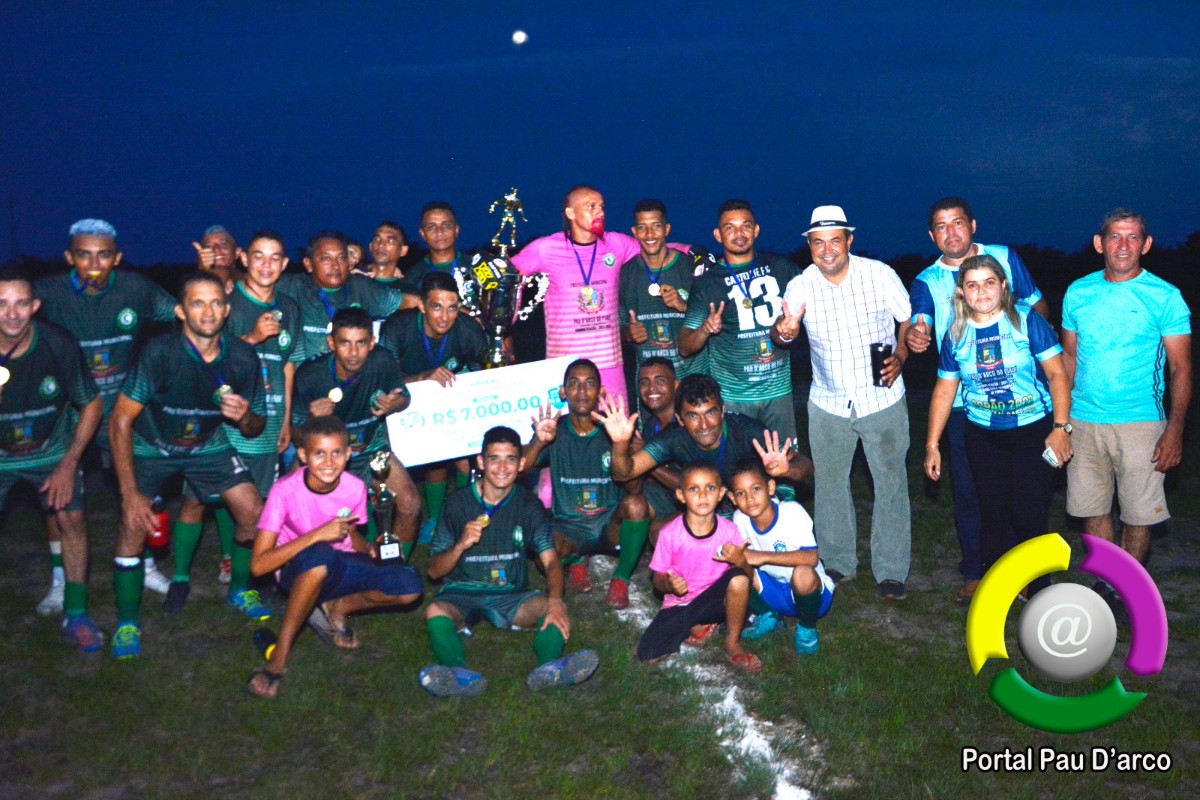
(1120, 215)
(501, 434)
(698, 465)
(267, 233)
(437, 205)
(658, 361)
(949, 204)
(648, 205)
(752, 465)
(695, 389)
(735, 204)
(199, 277)
(15, 274)
(323, 426)
(352, 317)
(387, 223)
(581, 362)
(321, 236)
(438, 282)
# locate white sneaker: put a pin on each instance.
(155, 581)
(52, 603)
(225, 571)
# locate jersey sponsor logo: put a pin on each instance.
(452, 364)
(765, 351)
(606, 460)
(22, 438)
(102, 363)
(610, 260)
(285, 340)
(518, 536)
(591, 300)
(49, 387)
(126, 318)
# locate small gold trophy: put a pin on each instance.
(387, 548)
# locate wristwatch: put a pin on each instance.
(1066, 426)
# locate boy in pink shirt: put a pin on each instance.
(698, 590)
(308, 536)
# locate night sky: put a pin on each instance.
(301, 116)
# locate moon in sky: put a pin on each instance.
(520, 37)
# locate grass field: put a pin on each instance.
(883, 711)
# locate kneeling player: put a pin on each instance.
(481, 546)
(699, 591)
(789, 578)
(308, 535)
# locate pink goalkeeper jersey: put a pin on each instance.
(581, 314)
(292, 509)
(691, 558)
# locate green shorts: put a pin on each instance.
(661, 499)
(264, 471)
(206, 474)
(590, 534)
(37, 476)
(498, 608)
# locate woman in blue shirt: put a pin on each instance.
(1007, 363)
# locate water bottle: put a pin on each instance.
(160, 535)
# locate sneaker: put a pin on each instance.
(966, 592)
(225, 570)
(837, 577)
(618, 593)
(80, 630)
(451, 681)
(127, 642)
(566, 671)
(177, 596)
(577, 577)
(763, 624)
(805, 640)
(249, 603)
(155, 581)
(425, 534)
(892, 591)
(52, 603)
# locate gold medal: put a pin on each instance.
(747, 303)
(654, 289)
(4, 375)
(224, 389)
(344, 513)
(484, 520)
(277, 315)
(335, 394)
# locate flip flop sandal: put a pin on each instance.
(701, 638)
(273, 679)
(746, 662)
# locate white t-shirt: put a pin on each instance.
(791, 530)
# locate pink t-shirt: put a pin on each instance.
(292, 509)
(582, 318)
(691, 558)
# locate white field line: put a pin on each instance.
(741, 734)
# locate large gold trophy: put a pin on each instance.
(491, 289)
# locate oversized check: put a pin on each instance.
(449, 422)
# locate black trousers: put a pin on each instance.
(667, 631)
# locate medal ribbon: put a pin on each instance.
(434, 363)
(587, 276)
(651, 274)
(346, 384)
(79, 288)
(329, 309)
(216, 377)
(738, 278)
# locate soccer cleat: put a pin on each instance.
(566, 671)
(52, 603)
(155, 581)
(805, 640)
(225, 570)
(79, 629)
(425, 534)
(618, 593)
(127, 641)
(443, 681)
(763, 624)
(177, 596)
(577, 577)
(249, 603)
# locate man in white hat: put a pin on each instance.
(850, 305)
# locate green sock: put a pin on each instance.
(239, 571)
(632, 537)
(807, 606)
(372, 528)
(572, 560)
(548, 644)
(435, 496)
(461, 479)
(757, 604)
(56, 558)
(127, 586)
(225, 529)
(446, 644)
(75, 599)
(187, 538)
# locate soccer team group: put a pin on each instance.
(270, 398)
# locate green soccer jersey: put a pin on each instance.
(518, 530)
(423, 267)
(108, 325)
(579, 468)
(38, 404)
(317, 306)
(380, 375)
(640, 294)
(273, 354)
(741, 358)
(674, 446)
(181, 412)
(462, 349)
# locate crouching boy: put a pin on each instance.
(308, 535)
(699, 591)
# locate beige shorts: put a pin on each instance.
(1120, 453)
